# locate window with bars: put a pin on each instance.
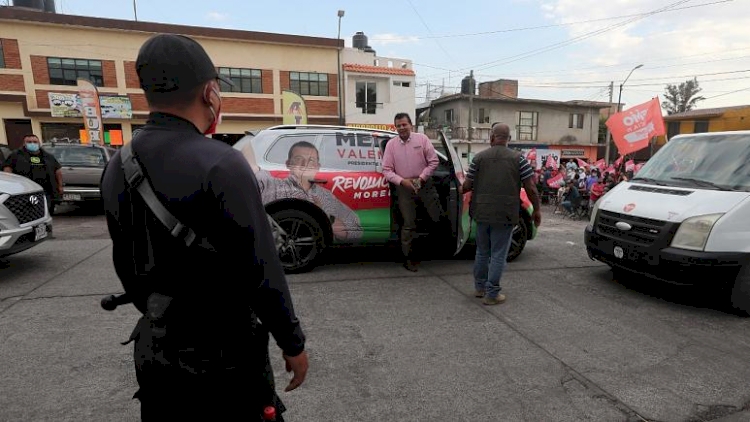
(247, 81)
(67, 71)
(575, 121)
(367, 97)
(305, 83)
(528, 122)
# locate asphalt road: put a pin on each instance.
(570, 344)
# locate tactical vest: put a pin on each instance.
(497, 186)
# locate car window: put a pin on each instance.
(78, 156)
(279, 151)
(351, 151)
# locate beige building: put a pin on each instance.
(376, 88)
(42, 55)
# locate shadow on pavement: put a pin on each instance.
(710, 296)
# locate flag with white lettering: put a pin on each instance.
(633, 128)
(91, 110)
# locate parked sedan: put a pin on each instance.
(24, 217)
(82, 167)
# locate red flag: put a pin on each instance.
(601, 164)
(556, 182)
(630, 165)
(610, 170)
(633, 128)
(581, 163)
(551, 162)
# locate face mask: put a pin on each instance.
(32, 147)
(216, 115)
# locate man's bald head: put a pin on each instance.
(500, 134)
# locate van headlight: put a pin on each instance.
(592, 220)
(693, 232)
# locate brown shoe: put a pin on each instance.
(479, 293)
(494, 301)
(411, 266)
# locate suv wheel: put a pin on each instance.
(740, 295)
(518, 240)
(302, 241)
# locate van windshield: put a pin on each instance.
(712, 162)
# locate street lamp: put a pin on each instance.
(338, 72)
(619, 105)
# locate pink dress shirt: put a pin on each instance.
(415, 157)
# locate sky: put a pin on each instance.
(556, 49)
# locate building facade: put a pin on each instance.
(566, 130)
(376, 88)
(43, 54)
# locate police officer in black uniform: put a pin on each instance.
(33, 162)
(201, 348)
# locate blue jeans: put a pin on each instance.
(493, 242)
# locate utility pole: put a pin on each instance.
(609, 111)
(471, 113)
(135, 10)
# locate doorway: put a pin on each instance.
(15, 129)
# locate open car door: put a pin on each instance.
(457, 204)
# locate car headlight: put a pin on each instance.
(592, 220)
(693, 232)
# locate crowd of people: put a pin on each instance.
(576, 188)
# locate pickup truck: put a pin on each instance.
(82, 167)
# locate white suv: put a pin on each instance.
(24, 217)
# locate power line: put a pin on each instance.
(573, 40)
(531, 28)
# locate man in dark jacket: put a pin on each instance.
(33, 162)
(496, 176)
(201, 348)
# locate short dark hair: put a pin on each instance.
(173, 98)
(29, 135)
(400, 116)
(302, 144)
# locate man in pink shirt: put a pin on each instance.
(408, 162)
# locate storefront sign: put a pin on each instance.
(69, 105)
(389, 127)
(573, 153)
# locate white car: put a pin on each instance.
(24, 217)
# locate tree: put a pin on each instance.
(683, 97)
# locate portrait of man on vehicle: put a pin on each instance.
(303, 163)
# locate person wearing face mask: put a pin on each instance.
(201, 346)
(36, 164)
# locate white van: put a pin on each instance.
(685, 218)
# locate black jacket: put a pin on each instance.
(211, 188)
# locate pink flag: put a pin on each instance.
(610, 170)
(556, 182)
(601, 164)
(581, 163)
(551, 162)
(630, 165)
(638, 168)
(618, 161)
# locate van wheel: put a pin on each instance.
(740, 297)
(518, 240)
(302, 242)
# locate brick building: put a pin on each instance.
(43, 54)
